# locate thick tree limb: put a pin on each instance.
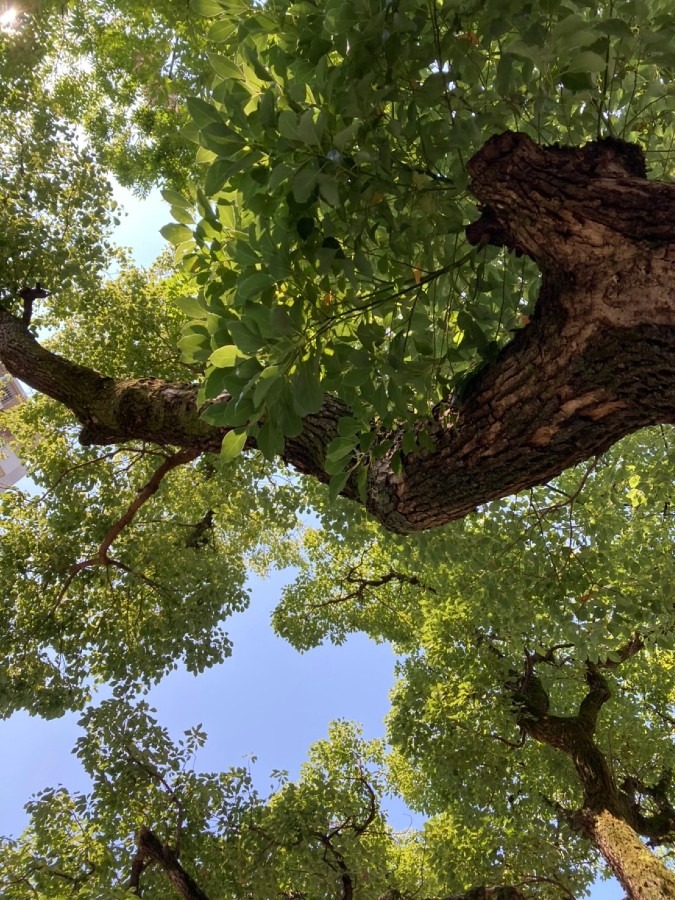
(596, 363)
(611, 816)
(152, 850)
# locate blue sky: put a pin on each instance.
(267, 700)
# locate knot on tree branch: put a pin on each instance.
(563, 206)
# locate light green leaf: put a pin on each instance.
(233, 444)
(176, 199)
(224, 67)
(175, 234)
(226, 357)
(207, 8)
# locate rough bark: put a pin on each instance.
(610, 818)
(152, 850)
(595, 363)
(642, 874)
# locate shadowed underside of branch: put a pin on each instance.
(595, 363)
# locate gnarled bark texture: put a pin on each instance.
(611, 816)
(595, 363)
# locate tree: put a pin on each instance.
(345, 307)
(328, 254)
(526, 731)
(518, 710)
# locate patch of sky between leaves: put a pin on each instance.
(140, 221)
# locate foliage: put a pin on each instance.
(562, 567)
(328, 246)
(221, 824)
(119, 71)
(319, 247)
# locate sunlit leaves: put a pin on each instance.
(343, 177)
(562, 567)
(141, 778)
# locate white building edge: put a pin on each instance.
(11, 467)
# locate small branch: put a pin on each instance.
(372, 807)
(153, 772)
(345, 876)
(364, 583)
(171, 462)
(89, 462)
(595, 699)
(539, 879)
(659, 827)
(29, 296)
(102, 557)
(629, 649)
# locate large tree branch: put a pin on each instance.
(595, 363)
(152, 850)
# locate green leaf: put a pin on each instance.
(207, 8)
(336, 485)
(202, 112)
(194, 348)
(346, 135)
(587, 61)
(304, 182)
(270, 441)
(221, 139)
(182, 215)
(307, 391)
(225, 357)
(308, 130)
(176, 199)
(288, 124)
(193, 306)
(233, 444)
(217, 414)
(330, 191)
(267, 379)
(221, 31)
(339, 16)
(246, 336)
(577, 81)
(254, 284)
(175, 234)
(340, 447)
(224, 67)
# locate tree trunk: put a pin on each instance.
(596, 363)
(609, 818)
(640, 872)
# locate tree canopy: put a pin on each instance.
(422, 258)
